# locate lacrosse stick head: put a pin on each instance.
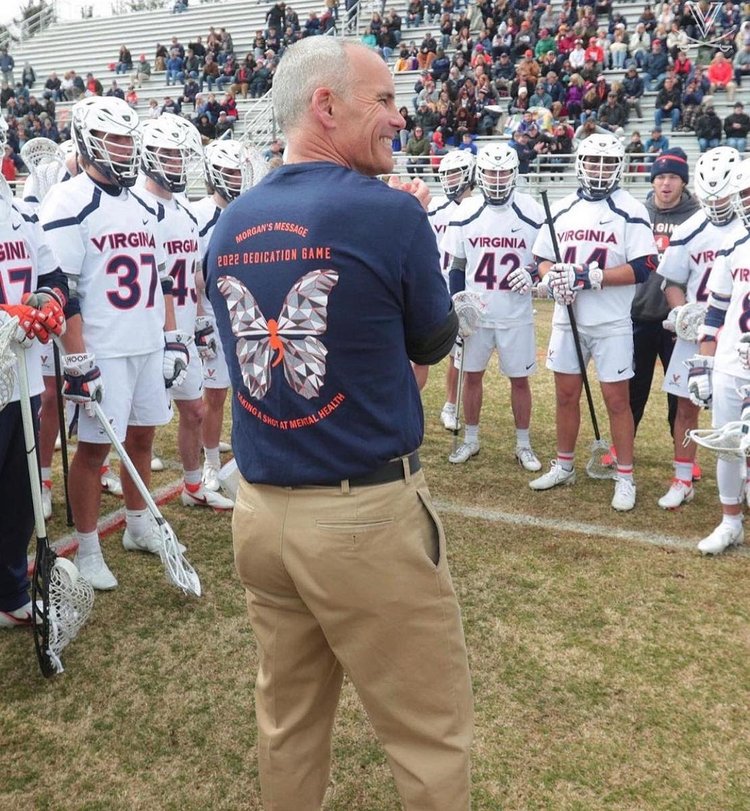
(177, 567)
(469, 308)
(45, 160)
(731, 441)
(599, 466)
(62, 601)
(689, 320)
(7, 359)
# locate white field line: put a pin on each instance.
(110, 522)
(578, 527)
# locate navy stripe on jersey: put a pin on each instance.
(187, 211)
(159, 207)
(685, 240)
(439, 208)
(624, 214)
(90, 208)
(471, 219)
(210, 224)
(740, 241)
(522, 216)
(566, 210)
(27, 217)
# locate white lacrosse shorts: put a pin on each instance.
(675, 379)
(612, 354)
(516, 349)
(726, 403)
(134, 394)
(215, 370)
(191, 387)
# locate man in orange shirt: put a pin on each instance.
(721, 75)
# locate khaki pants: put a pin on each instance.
(354, 580)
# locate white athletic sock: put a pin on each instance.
(137, 521)
(625, 472)
(565, 459)
(730, 480)
(471, 434)
(212, 456)
(733, 521)
(88, 544)
(193, 477)
(46, 474)
(449, 407)
(683, 470)
(523, 440)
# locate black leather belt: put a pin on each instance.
(389, 472)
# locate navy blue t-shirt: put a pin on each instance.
(319, 278)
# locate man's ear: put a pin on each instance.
(321, 107)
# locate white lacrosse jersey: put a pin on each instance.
(496, 240)
(107, 246)
(610, 232)
(178, 234)
(440, 213)
(690, 256)
(207, 214)
(24, 257)
(730, 276)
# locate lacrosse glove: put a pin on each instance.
(82, 380)
(700, 368)
(205, 337)
(176, 358)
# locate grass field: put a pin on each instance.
(609, 672)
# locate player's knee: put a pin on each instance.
(214, 399)
(191, 412)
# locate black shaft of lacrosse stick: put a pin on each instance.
(573, 324)
(63, 432)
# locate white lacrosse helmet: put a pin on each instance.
(98, 125)
(227, 168)
(714, 183)
(599, 163)
(497, 169)
(456, 173)
(3, 132)
(741, 196)
(171, 145)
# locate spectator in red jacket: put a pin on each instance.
(721, 75)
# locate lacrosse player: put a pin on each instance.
(171, 144)
(26, 264)
(607, 247)
(456, 174)
(124, 349)
(719, 375)
(490, 245)
(685, 267)
(336, 540)
(229, 171)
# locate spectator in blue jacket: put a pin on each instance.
(655, 66)
(175, 72)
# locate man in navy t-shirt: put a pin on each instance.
(336, 540)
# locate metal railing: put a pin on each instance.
(22, 30)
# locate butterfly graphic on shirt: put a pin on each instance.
(290, 340)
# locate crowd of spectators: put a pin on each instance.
(576, 69)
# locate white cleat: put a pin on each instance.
(46, 501)
(156, 464)
(206, 498)
(528, 459)
(555, 476)
(721, 539)
(210, 477)
(624, 497)
(95, 570)
(224, 447)
(58, 443)
(111, 482)
(464, 452)
(448, 418)
(150, 542)
(680, 492)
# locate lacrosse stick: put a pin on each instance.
(176, 566)
(685, 321)
(731, 441)
(459, 390)
(45, 161)
(7, 361)
(61, 600)
(595, 467)
(63, 431)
